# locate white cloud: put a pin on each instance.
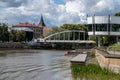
(13, 3)
(75, 6)
(73, 11)
(104, 5)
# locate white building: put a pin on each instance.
(104, 26)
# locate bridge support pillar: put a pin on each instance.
(79, 35)
(117, 39)
(99, 41)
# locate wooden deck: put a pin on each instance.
(79, 59)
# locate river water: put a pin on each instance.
(34, 65)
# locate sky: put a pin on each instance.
(55, 12)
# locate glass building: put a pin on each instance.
(104, 26)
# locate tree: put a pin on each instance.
(117, 14)
(105, 40)
(12, 34)
(17, 35)
(20, 36)
(55, 30)
(74, 27)
(4, 34)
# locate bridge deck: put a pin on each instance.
(68, 41)
(80, 59)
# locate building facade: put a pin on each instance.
(38, 31)
(100, 26)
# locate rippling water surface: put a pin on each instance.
(34, 65)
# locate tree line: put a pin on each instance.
(11, 35)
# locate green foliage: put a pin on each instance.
(93, 72)
(13, 36)
(94, 38)
(92, 55)
(105, 40)
(117, 14)
(4, 34)
(17, 36)
(55, 30)
(115, 47)
(74, 27)
(20, 36)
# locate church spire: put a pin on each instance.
(41, 23)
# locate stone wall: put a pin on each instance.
(108, 61)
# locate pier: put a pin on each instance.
(79, 59)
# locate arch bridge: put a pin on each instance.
(69, 36)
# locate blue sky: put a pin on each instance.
(59, 2)
(55, 12)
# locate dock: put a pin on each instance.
(74, 52)
(79, 59)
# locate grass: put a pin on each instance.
(91, 55)
(115, 47)
(93, 72)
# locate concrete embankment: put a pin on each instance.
(107, 60)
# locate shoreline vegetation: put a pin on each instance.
(115, 47)
(93, 72)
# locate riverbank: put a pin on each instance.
(14, 45)
(93, 72)
(28, 45)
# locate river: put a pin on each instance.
(34, 65)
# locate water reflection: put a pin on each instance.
(35, 65)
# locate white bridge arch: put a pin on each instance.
(69, 36)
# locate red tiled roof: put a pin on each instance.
(25, 25)
(47, 29)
